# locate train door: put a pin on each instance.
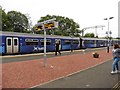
(9, 45)
(58, 41)
(15, 45)
(12, 45)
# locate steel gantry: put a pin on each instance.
(93, 27)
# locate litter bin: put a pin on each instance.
(95, 55)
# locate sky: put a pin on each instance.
(87, 13)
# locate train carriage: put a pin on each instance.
(117, 41)
(94, 42)
(13, 42)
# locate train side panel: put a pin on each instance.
(2, 45)
(30, 45)
(76, 44)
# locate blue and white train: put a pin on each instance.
(19, 43)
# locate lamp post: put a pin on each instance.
(108, 32)
(110, 37)
(71, 43)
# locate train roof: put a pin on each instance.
(94, 39)
(100, 39)
(48, 36)
(34, 35)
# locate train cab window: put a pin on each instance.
(67, 41)
(48, 42)
(9, 42)
(31, 41)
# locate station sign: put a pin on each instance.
(39, 27)
(47, 25)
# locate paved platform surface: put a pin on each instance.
(96, 77)
(29, 72)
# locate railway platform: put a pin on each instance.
(77, 69)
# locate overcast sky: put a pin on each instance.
(87, 13)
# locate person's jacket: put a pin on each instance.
(57, 46)
(116, 53)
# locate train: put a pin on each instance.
(21, 43)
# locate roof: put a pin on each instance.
(93, 39)
(34, 35)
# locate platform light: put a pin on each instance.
(108, 33)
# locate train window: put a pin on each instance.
(67, 41)
(48, 42)
(75, 42)
(42, 42)
(31, 41)
(89, 41)
(15, 41)
(99, 42)
(9, 42)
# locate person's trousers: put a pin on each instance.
(115, 65)
(58, 52)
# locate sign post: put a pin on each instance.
(48, 24)
(45, 57)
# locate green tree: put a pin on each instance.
(66, 26)
(117, 37)
(18, 21)
(30, 25)
(5, 22)
(89, 35)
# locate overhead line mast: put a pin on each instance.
(98, 26)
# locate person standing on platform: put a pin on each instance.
(116, 58)
(57, 48)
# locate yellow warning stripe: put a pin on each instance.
(117, 86)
